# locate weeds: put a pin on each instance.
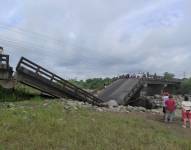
(20, 93)
(52, 127)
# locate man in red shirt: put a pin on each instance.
(170, 109)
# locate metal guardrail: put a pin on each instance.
(53, 78)
(4, 59)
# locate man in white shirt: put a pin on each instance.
(165, 97)
(186, 111)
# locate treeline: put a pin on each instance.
(94, 83)
(186, 86)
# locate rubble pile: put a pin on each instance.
(112, 107)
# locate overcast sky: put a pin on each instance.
(99, 38)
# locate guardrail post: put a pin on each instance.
(19, 63)
(52, 78)
(38, 69)
(1, 58)
(7, 61)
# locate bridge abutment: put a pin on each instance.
(153, 89)
(6, 72)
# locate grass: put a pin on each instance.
(44, 125)
(20, 93)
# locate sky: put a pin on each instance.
(99, 38)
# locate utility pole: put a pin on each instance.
(184, 75)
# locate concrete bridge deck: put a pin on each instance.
(121, 90)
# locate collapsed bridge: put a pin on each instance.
(31, 74)
(126, 90)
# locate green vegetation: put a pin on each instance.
(20, 93)
(168, 76)
(186, 86)
(94, 84)
(46, 125)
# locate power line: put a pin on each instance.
(16, 45)
(30, 33)
(21, 42)
(22, 45)
(29, 43)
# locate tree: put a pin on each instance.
(94, 83)
(168, 75)
(186, 86)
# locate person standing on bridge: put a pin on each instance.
(186, 111)
(170, 109)
(1, 53)
(1, 50)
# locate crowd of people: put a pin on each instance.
(140, 75)
(169, 108)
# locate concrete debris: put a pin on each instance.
(112, 107)
(112, 103)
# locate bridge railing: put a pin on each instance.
(150, 78)
(53, 78)
(4, 61)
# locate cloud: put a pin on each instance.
(100, 38)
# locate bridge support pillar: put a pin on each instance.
(6, 73)
(152, 89)
(143, 91)
(171, 88)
